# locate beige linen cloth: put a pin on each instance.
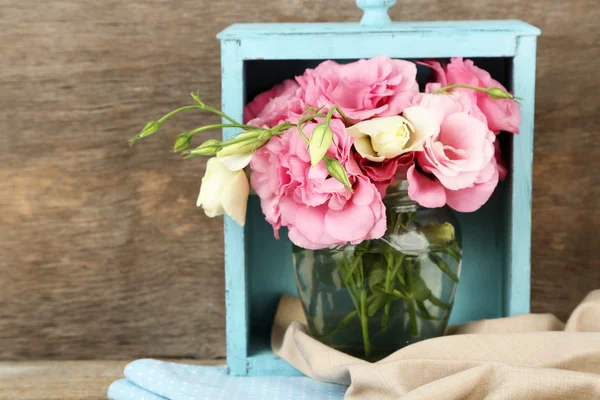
(524, 357)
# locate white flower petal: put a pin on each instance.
(235, 197)
(390, 144)
(425, 125)
(374, 126)
(214, 181)
(236, 162)
(364, 148)
(389, 137)
(354, 131)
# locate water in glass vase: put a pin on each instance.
(373, 298)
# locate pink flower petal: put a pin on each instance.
(364, 192)
(471, 199)
(352, 223)
(425, 191)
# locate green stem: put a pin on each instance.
(217, 126)
(410, 305)
(339, 110)
(177, 111)
(302, 121)
(352, 287)
(281, 128)
(352, 269)
(452, 253)
(365, 323)
(356, 278)
(494, 92)
(441, 264)
(220, 113)
(460, 86)
(425, 314)
(398, 264)
(390, 274)
(436, 301)
(400, 275)
(347, 319)
(329, 115)
(398, 294)
(203, 106)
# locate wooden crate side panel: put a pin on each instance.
(236, 297)
(518, 272)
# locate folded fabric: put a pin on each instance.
(158, 380)
(524, 357)
(530, 357)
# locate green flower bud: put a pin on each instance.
(320, 141)
(208, 148)
(245, 142)
(497, 94)
(439, 234)
(150, 128)
(182, 142)
(337, 171)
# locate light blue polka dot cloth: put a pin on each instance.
(158, 380)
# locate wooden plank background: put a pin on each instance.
(103, 253)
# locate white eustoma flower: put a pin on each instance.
(381, 138)
(224, 191)
(235, 162)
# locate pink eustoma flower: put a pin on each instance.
(382, 174)
(501, 114)
(458, 166)
(279, 104)
(318, 210)
(363, 89)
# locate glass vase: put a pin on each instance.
(373, 298)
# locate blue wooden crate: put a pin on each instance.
(495, 279)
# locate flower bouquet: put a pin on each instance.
(358, 165)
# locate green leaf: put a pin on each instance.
(378, 301)
(376, 277)
(419, 288)
(320, 141)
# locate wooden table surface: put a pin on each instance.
(64, 380)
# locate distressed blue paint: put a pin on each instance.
(375, 11)
(271, 274)
(483, 261)
(471, 28)
(236, 299)
(495, 278)
(264, 362)
(397, 45)
(518, 276)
